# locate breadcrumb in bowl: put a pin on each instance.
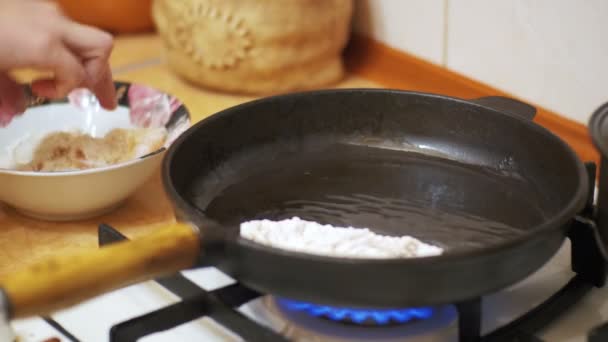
(67, 151)
(68, 160)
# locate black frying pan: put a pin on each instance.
(478, 178)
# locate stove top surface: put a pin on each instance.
(93, 319)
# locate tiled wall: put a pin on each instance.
(551, 52)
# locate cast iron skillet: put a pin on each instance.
(478, 178)
(400, 163)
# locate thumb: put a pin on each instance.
(12, 99)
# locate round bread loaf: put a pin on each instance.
(255, 46)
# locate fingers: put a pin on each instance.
(94, 48)
(76, 54)
(104, 88)
(87, 41)
(68, 71)
(12, 99)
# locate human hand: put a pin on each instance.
(35, 34)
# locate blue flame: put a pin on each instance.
(358, 316)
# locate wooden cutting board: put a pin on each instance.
(135, 59)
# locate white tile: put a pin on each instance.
(414, 26)
(208, 278)
(91, 320)
(35, 330)
(551, 52)
(202, 329)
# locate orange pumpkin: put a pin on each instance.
(116, 16)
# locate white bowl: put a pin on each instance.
(72, 195)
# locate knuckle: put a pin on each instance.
(51, 7)
(106, 43)
(43, 45)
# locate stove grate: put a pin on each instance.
(588, 261)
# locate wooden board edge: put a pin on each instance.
(396, 69)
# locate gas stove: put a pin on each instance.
(565, 300)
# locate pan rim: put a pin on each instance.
(595, 123)
(554, 224)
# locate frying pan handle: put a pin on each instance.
(64, 280)
(507, 105)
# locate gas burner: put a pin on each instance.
(365, 317)
(300, 321)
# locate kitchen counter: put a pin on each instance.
(139, 59)
(135, 59)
